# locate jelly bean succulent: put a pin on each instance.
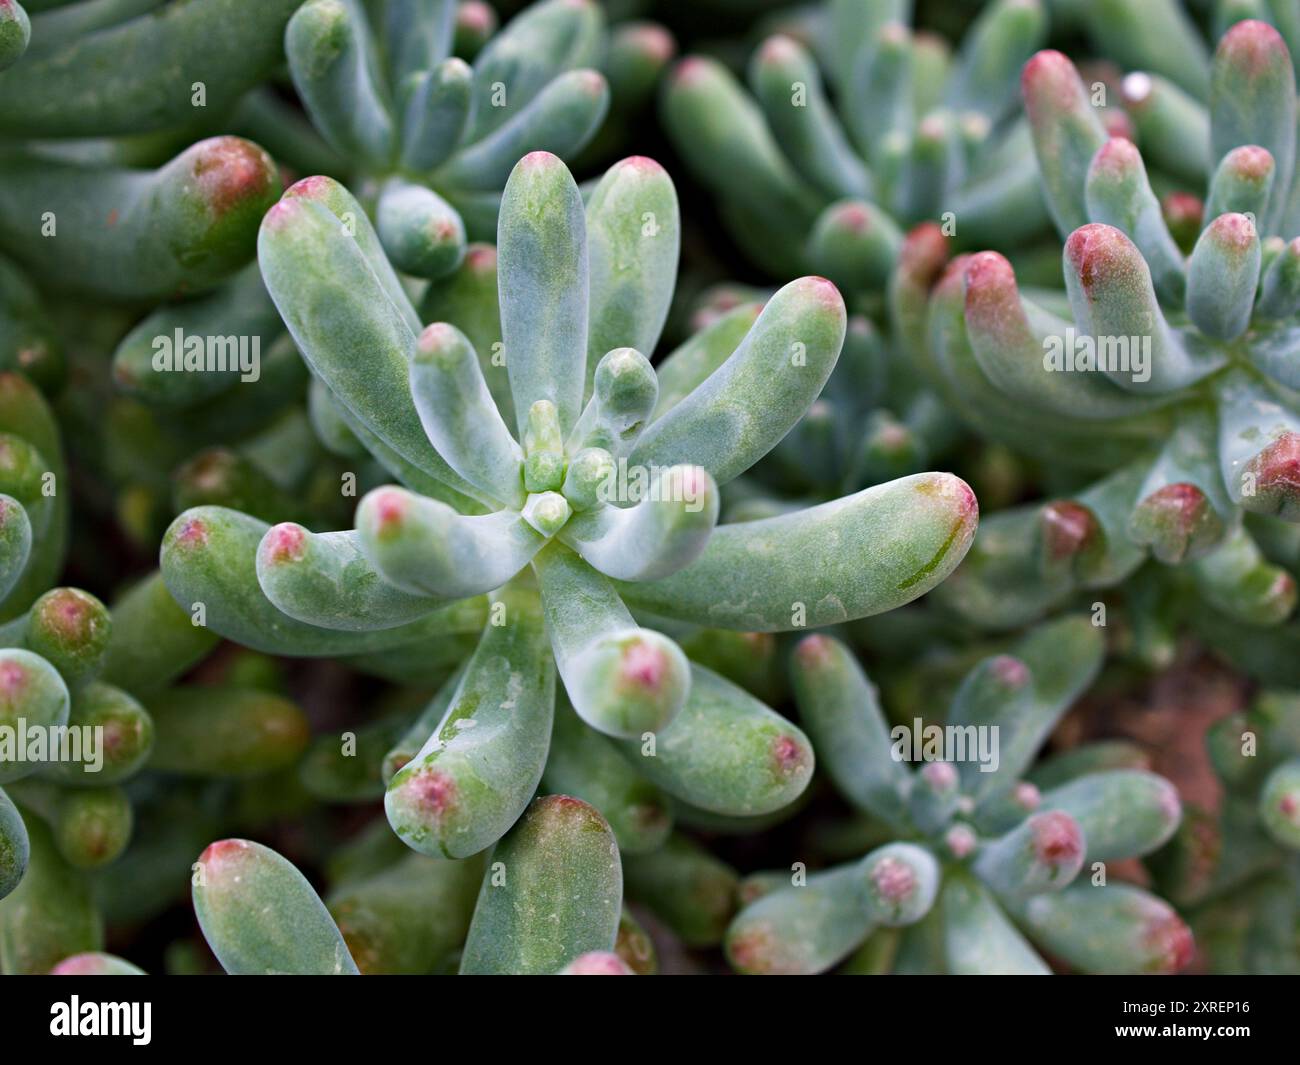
(991, 858)
(444, 564)
(429, 140)
(602, 502)
(91, 70)
(1168, 369)
(73, 730)
(1234, 871)
(127, 188)
(914, 132)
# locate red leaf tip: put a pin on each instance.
(1050, 81)
(788, 754)
(1068, 528)
(13, 678)
(1234, 232)
(1058, 840)
(778, 49)
(223, 851)
(230, 171)
(960, 841)
(1170, 942)
(1099, 253)
(1250, 161)
(193, 532)
(815, 651)
(941, 776)
(644, 665)
(286, 542)
(1252, 45)
(893, 879)
(431, 790)
(1010, 671)
(1026, 796)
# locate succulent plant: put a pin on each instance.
(87, 704)
(1169, 371)
(129, 189)
(913, 133)
(517, 599)
(429, 139)
(1234, 871)
(987, 861)
(895, 131)
(606, 499)
(91, 70)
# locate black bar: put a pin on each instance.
(304, 1013)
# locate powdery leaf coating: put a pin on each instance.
(1117, 928)
(476, 772)
(726, 752)
(209, 557)
(857, 556)
(553, 891)
(260, 916)
(633, 236)
(339, 296)
(543, 271)
(746, 406)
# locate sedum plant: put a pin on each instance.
(989, 864)
(91, 70)
(551, 905)
(87, 705)
(555, 586)
(913, 133)
(84, 703)
(133, 235)
(429, 139)
(599, 506)
(163, 422)
(1168, 369)
(1234, 871)
(852, 128)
